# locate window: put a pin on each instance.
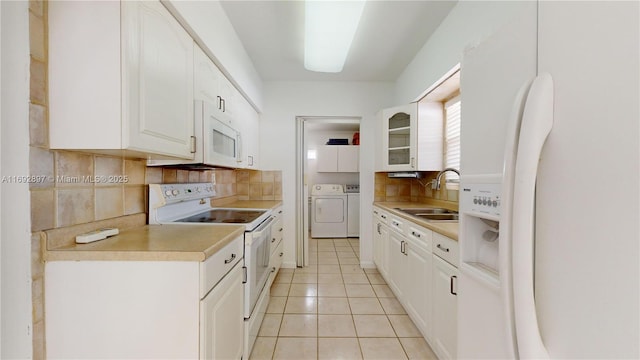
(452, 137)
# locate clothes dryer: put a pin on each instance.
(328, 211)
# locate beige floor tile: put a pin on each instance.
(310, 269)
(392, 306)
(403, 326)
(296, 349)
(346, 254)
(341, 242)
(357, 290)
(417, 348)
(328, 261)
(373, 326)
(329, 269)
(344, 248)
(276, 305)
(304, 279)
(286, 271)
(298, 325)
(303, 290)
(331, 290)
(330, 278)
(376, 279)
(351, 269)
(301, 305)
(283, 278)
(339, 348)
(270, 325)
(263, 348)
(355, 279)
(336, 326)
(280, 289)
(349, 261)
(333, 305)
(381, 348)
(383, 291)
(371, 271)
(365, 306)
(313, 260)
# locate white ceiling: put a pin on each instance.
(389, 36)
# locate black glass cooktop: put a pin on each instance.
(225, 216)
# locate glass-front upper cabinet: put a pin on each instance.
(399, 137)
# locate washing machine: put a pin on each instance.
(328, 211)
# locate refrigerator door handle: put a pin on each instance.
(537, 121)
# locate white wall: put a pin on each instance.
(209, 24)
(468, 23)
(286, 100)
(15, 234)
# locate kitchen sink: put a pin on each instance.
(431, 214)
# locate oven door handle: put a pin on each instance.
(258, 232)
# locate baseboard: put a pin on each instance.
(368, 265)
(289, 264)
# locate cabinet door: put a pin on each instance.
(399, 138)
(158, 81)
(419, 287)
(398, 266)
(327, 160)
(444, 309)
(348, 158)
(247, 122)
(222, 320)
(207, 78)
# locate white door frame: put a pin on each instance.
(302, 190)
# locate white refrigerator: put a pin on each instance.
(549, 199)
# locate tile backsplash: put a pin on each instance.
(412, 190)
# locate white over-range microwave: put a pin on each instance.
(217, 143)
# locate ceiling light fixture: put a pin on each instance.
(329, 29)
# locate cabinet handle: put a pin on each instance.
(273, 240)
(378, 229)
(273, 269)
(281, 254)
(413, 162)
(439, 246)
(244, 274)
(415, 234)
(224, 105)
(193, 144)
(219, 102)
(451, 280)
(280, 230)
(233, 256)
(280, 212)
(383, 216)
(250, 160)
(402, 245)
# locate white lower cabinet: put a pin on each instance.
(146, 309)
(419, 266)
(380, 240)
(220, 327)
(445, 309)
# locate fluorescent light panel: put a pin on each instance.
(329, 30)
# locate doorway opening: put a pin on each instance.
(324, 155)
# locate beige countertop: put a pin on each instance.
(153, 243)
(448, 229)
(168, 242)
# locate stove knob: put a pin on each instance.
(167, 192)
(175, 192)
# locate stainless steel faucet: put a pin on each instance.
(435, 184)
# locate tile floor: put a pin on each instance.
(333, 309)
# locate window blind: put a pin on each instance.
(452, 137)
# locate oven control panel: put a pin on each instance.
(169, 193)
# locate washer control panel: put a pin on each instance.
(327, 189)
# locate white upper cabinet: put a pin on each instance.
(338, 158)
(248, 121)
(411, 138)
(212, 86)
(120, 78)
